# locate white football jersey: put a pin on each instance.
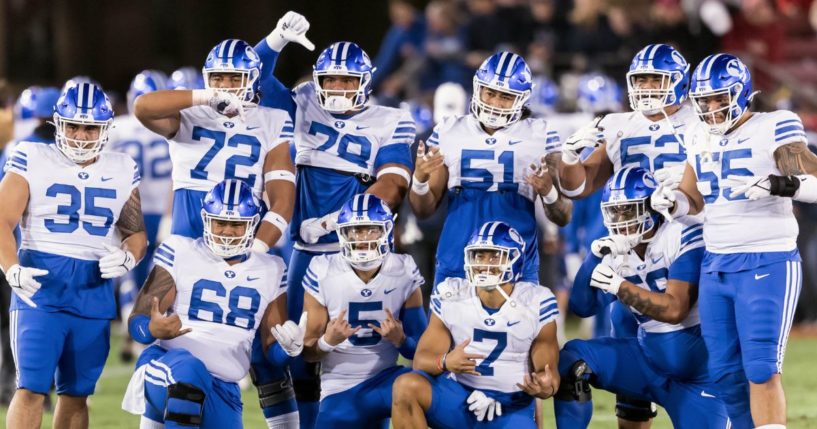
(151, 153)
(210, 147)
(361, 143)
(224, 304)
(633, 140)
(505, 337)
(664, 259)
(737, 225)
(334, 284)
(565, 124)
(72, 210)
(497, 162)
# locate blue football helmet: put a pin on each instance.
(507, 73)
(343, 59)
(506, 257)
(84, 104)
(365, 231)
(186, 78)
(76, 80)
(663, 60)
(144, 82)
(721, 74)
(36, 102)
(545, 95)
(598, 93)
(625, 204)
(236, 57)
(231, 201)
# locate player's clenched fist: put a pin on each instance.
(339, 329)
(429, 160)
(391, 329)
(461, 362)
(165, 327)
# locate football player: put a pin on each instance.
(652, 267)
(73, 203)
(200, 309)
(492, 165)
(344, 146)
(505, 351)
(365, 307)
(743, 170)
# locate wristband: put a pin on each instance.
(279, 175)
(276, 220)
(324, 346)
(202, 97)
(395, 170)
(419, 188)
(552, 196)
(441, 363)
(258, 245)
(139, 329)
(575, 192)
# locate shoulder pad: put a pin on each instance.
(452, 289)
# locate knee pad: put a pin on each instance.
(634, 409)
(185, 404)
(575, 386)
(274, 392)
(309, 389)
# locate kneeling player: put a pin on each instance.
(222, 293)
(653, 267)
(352, 299)
(504, 349)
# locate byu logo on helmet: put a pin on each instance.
(663, 61)
(343, 59)
(717, 76)
(365, 231)
(89, 113)
(230, 213)
(234, 57)
(505, 73)
(494, 255)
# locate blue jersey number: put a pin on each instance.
(155, 164)
(355, 308)
(218, 138)
(484, 176)
(199, 308)
(355, 149)
(75, 204)
(642, 160)
(725, 160)
(501, 339)
(651, 279)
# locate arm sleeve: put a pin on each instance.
(273, 92)
(397, 150)
(414, 324)
(585, 300)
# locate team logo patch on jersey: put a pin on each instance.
(340, 124)
(490, 141)
(83, 175)
(228, 124)
(489, 322)
(724, 142)
(229, 274)
(654, 127)
(366, 293)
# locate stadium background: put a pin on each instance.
(417, 45)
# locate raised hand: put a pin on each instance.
(459, 361)
(164, 327)
(291, 336)
(588, 136)
(292, 27)
(391, 329)
(429, 159)
(339, 330)
(615, 245)
(539, 178)
(539, 385)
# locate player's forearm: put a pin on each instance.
(427, 360)
(162, 104)
(424, 205)
(663, 307)
(136, 244)
(282, 202)
(390, 188)
(560, 211)
(572, 179)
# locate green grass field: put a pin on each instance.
(799, 380)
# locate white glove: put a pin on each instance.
(291, 336)
(21, 280)
(670, 177)
(223, 102)
(614, 245)
(663, 201)
(292, 27)
(117, 263)
(606, 279)
(482, 405)
(314, 228)
(587, 136)
(754, 187)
